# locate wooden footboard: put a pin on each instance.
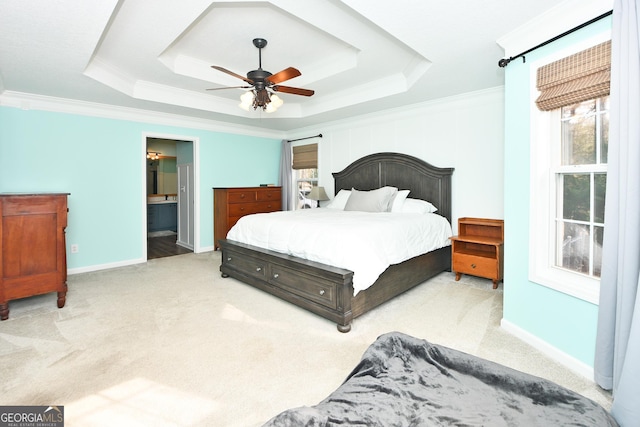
(322, 289)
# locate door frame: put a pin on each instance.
(195, 141)
(190, 243)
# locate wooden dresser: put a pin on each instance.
(478, 249)
(231, 204)
(33, 257)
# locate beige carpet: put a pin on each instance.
(171, 343)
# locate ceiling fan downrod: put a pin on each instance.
(259, 43)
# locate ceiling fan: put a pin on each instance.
(263, 84)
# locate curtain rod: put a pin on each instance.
(505, 61)
(308, 137)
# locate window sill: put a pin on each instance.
(575, 284)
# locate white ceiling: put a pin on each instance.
(360, 56)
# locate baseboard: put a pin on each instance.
(107, 266)
(204, 249)
(554, 353)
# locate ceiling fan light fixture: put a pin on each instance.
(269, 102)
(264, 83)
(275, 103)
(247, 100)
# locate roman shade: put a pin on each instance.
(576, 78)
(305, 156)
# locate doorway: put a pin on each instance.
(169, 196)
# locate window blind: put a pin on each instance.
(305, 156)
(576, 78)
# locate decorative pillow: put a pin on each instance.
(340, 200)
(398, 201)
(417, 206)
(371, 201)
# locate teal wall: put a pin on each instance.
(100, 162)
(565, 322)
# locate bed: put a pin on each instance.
(405, 381)
(327, 290)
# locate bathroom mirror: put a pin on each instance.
(162, 176)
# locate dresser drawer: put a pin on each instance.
(301, 284)
(246, 196)
(274, 195)
(242, 209)
(475, 265)
(244, 263)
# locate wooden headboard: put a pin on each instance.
(405, 172)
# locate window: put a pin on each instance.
(305, 166)
(581, 177)
(305, 180)
(568, 159)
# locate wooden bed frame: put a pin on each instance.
(328, 291)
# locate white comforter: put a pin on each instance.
(363, 242)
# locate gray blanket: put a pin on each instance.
(405, 381)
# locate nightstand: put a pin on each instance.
(477, 250)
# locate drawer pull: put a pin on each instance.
(258, 268)
(321, 291)
(275, 276)
(229, 258)
(473, 266)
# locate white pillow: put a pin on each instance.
(417, 206)
(398, 201)
(340, 200)
(378, 200)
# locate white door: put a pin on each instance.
(185, 205)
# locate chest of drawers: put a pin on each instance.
(231, 204)
(32, 253)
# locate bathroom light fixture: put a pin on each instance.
(153, 155)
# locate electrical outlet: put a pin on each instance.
(74, 248)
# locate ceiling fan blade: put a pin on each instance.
(293, 90)
(231, 73)
(286, 74)
(230, 87)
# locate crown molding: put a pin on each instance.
(28, 101)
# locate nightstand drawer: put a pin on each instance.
(475, 265)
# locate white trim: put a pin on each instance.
(144, 198)
(196, 185)
(196, 194)
(29, 101)
(542, 269)
(98, 267)
(547, 349)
